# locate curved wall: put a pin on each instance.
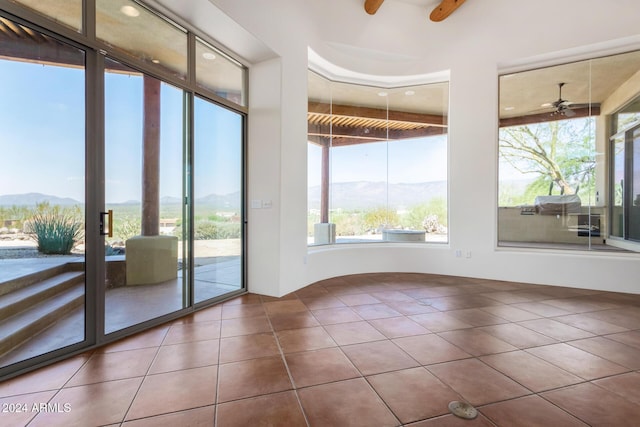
(480, 40)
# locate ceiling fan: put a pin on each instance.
(444, 9)
(562, 106)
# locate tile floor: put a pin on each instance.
(364, 350)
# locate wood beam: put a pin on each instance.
(444, 9)
(376, 113)
(371, 6)
(594, 110)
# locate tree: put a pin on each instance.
(558, 152)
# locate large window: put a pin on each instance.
(553, 152)
(377, 163)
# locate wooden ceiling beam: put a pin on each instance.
(372, 6)
(594, 110)
(444, 9)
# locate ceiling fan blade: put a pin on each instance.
(371, 6)
(446, 8)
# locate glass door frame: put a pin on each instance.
(629, 134)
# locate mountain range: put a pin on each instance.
(345, 195)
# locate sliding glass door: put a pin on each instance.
(144, 197)
(217, 203)
(42, 194)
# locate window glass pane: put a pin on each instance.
(143, 189)
(65, 12)
(553, 153)
(42, 195)
(135, 30)
(379, 156)
(219, 74)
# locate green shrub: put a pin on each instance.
(55, 230)
(212, 230)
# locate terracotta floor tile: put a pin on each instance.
(114, 366)
(476, 317)
(242, 310)
(249, 378)
(429, 349)
(320, 366)
(542, 309)
(377, 357)
(375, 311)
(517, 335)
(530, 411)
(611, 350)
(278, 409)
(476, 382)
(303, 319)
(439, 322)
(458, 302)
(510, 313)
(595, 406)
(102, 403)
(576, 361)
(589, 324)
(413, 394)
(627, 318)
(51, 377)
(415, 307)
(233, 349)
(579, 305)
(476, 342)
(322, 302)
(285, 307)
(245, 326)
(556, 330)
(244, 299)
(353, 333)
(392, 296)
(185, 356)
(506, 297)
(205, 315)
(625, 385)
(346, 403)
(396, 327)
(19, 410)
(534, 373)
(151, 338)
(358, 299)
(631, 338)
(294, 340)
(201, 331)
(199, 417)
(175, 391)
(453, 421)
(331, 316)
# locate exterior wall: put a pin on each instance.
(480, 40)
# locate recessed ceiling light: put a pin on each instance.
(546, 104)
(382, 93)
(409, 93)
(208, 55)
(155, 61)
(130, 11)
(509, 108)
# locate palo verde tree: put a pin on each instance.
(558, 153)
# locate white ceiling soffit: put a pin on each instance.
(336, 73)
(207, 19)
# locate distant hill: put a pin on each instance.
(32, 199)
(367, 194)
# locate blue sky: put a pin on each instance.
(42, 139)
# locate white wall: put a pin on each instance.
(474, 44)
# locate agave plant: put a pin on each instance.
(55, 230)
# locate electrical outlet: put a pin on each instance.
(458, 253)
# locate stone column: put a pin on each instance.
(151, 158)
